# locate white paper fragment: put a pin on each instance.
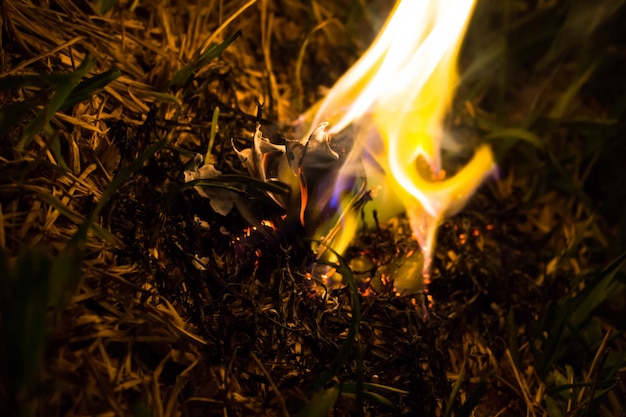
(221, 200)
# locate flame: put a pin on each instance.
(401, 88)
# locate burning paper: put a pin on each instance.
(396, 97)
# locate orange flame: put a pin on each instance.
(401, 87)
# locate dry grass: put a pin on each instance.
(143, 330)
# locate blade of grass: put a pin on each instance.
(23, 308)
(597, 291)
(90, 86)
(54, 144)
(208, 157)
(561, 322)
(55, 103)
(512, 135)
(225, 182)
(554, 322)
(300, 60)
(563, 103)
(370, 396)
(456, 388)
(212, 52)
(66, 94)
(370, 386)
(513, 336)
(321, 403)
(274, 187)
(473, 399)
(369, 392)
(104, 6)
(346, 347)
(14, 82)
(552, 406)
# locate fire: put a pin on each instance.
(396, 96)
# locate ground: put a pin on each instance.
(124, 291)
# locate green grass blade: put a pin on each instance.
(597, 291)
(369, 392)
(14, 82)
(210, 183)
(372, 397)
(473, 399)
(563, 321)
(66, 93)
(346, 347)
(456, 388)
(350, 387)
(321, 403)
(55, 103)
(552, 345)
(207, 158)
(212, 52)
(512, 135)
(23, 308)
(272, 187)
(552, 406)
(104, 6)
(55, 148)
(512, 336)
(564, 102)
(230, 182)
(90, 86)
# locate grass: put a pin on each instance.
(122, 292)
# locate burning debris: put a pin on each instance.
(396, 96)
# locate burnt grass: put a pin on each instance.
(124, 292)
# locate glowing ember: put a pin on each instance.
(397, 95)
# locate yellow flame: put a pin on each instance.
(402, 87)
